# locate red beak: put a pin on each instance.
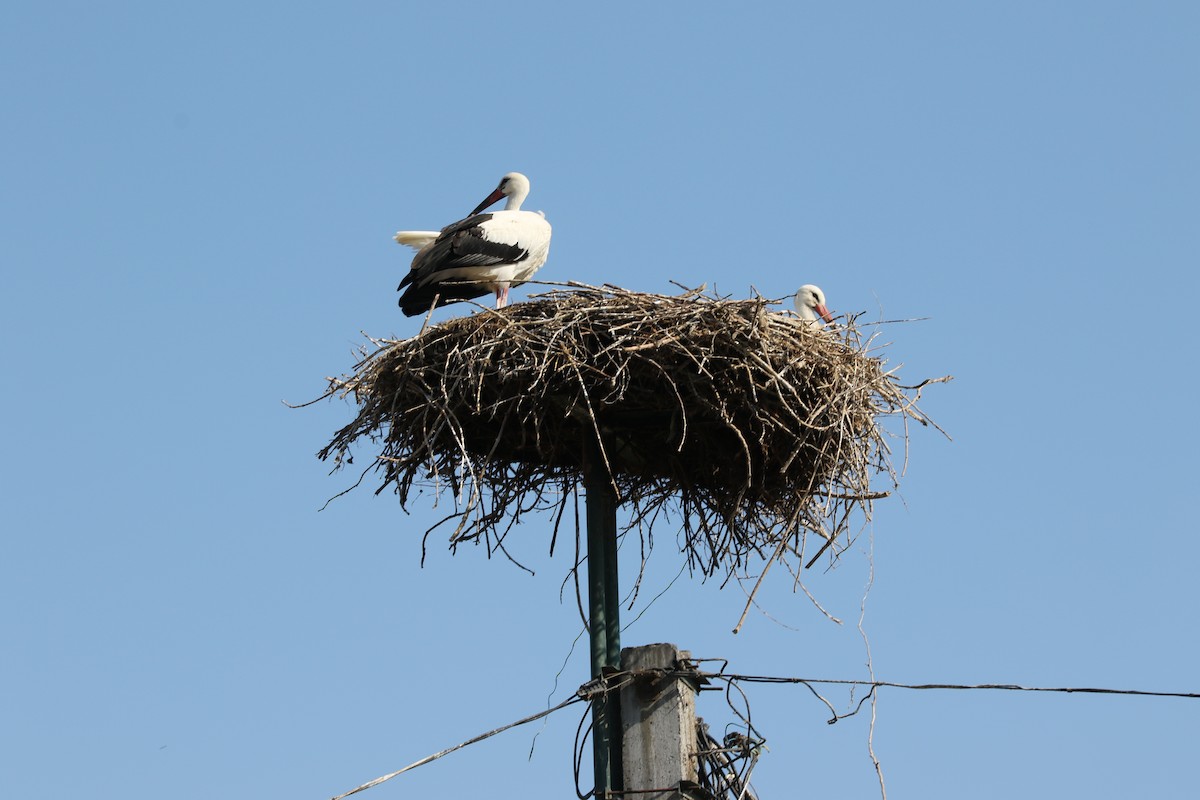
(491, 198)
(824, 312)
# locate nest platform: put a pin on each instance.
(742, 424)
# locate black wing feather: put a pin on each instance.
(459, 246)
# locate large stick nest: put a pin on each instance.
(744, 423)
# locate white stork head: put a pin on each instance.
(810, 302)
(514, 186)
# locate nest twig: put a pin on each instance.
(743, 423)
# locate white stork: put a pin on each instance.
(482, 254)
(810, 302)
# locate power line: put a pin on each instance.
(575, 698)
(1011, 687)
(616, 680)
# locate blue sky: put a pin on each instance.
(197, 207)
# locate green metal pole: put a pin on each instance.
(604, 619)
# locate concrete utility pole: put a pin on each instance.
(658, 714)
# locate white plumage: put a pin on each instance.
(416, 239)
(810, 305)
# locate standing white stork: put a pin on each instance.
(482, 254)
(810, 302)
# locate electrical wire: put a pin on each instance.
(1011, 687)
(724, 767)
(576, 698)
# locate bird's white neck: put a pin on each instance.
(515, 199)
(808, 315)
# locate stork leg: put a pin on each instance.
(502, 295)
